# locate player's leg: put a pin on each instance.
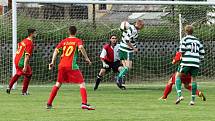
(194, 72)
(167, 89)
(53, 93)
(26, 81)
(14, 79)
(62, 75)
(178, 86)
(99, 78)
(126, 59)
(83, 93)
(198, 92)
(25, 84)
(127, 64)
(11, 82)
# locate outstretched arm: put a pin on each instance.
(84, 53)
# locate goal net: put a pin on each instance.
(157, 43)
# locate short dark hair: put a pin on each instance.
(72, 30)
(112, 36)
(31, 31)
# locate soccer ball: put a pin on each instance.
(124, 25)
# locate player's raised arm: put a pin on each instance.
(177, 58)
(84, 53)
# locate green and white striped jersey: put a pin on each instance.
(130, 35)
(192, 51)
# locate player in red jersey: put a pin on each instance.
(185, 79)
(23, 54)
(110, 59)
(68, 70)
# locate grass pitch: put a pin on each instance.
(137, 103)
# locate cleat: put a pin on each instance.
(87, 107)
(179, 100)
(122, 87)
(119, 82)
(202, 96)
(8, 91)
(191, 103)
(49, 106)
(96, 85)
(25, 93)
(162, 98)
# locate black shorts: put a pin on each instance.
(113, 65)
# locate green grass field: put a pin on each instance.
(137, 103)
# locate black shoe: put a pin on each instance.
(123, 87)
(25, 93)
(8, 91)
(49, 106)
(97, 84)
(118, 82)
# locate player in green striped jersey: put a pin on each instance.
(128, 47)
(192, 52)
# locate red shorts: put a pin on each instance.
(20, 72)
(67, 75)
(185, 79)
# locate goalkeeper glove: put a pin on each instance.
(105, 65)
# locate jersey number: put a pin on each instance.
(67, 50)
(193, 47)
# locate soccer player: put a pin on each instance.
(185, 79)
(23, 54)
(68, 70)
(128, 46)
(110, 59)
(192, 52)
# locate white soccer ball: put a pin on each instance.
(124, 25)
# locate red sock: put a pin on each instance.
(190, 89)
(13, 80)
(25, 84)
(83, 95)
(167, 90)
(52, 95)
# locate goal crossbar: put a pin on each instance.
(120, 2)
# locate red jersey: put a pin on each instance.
(24, 47)
(109, 53)
(70, 53)
(184, 78)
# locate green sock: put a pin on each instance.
(123, 72)
(194, 88)
(178, 86)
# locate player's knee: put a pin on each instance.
(170, 83)
(58, 84)
(82, 85)
(29, 76)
